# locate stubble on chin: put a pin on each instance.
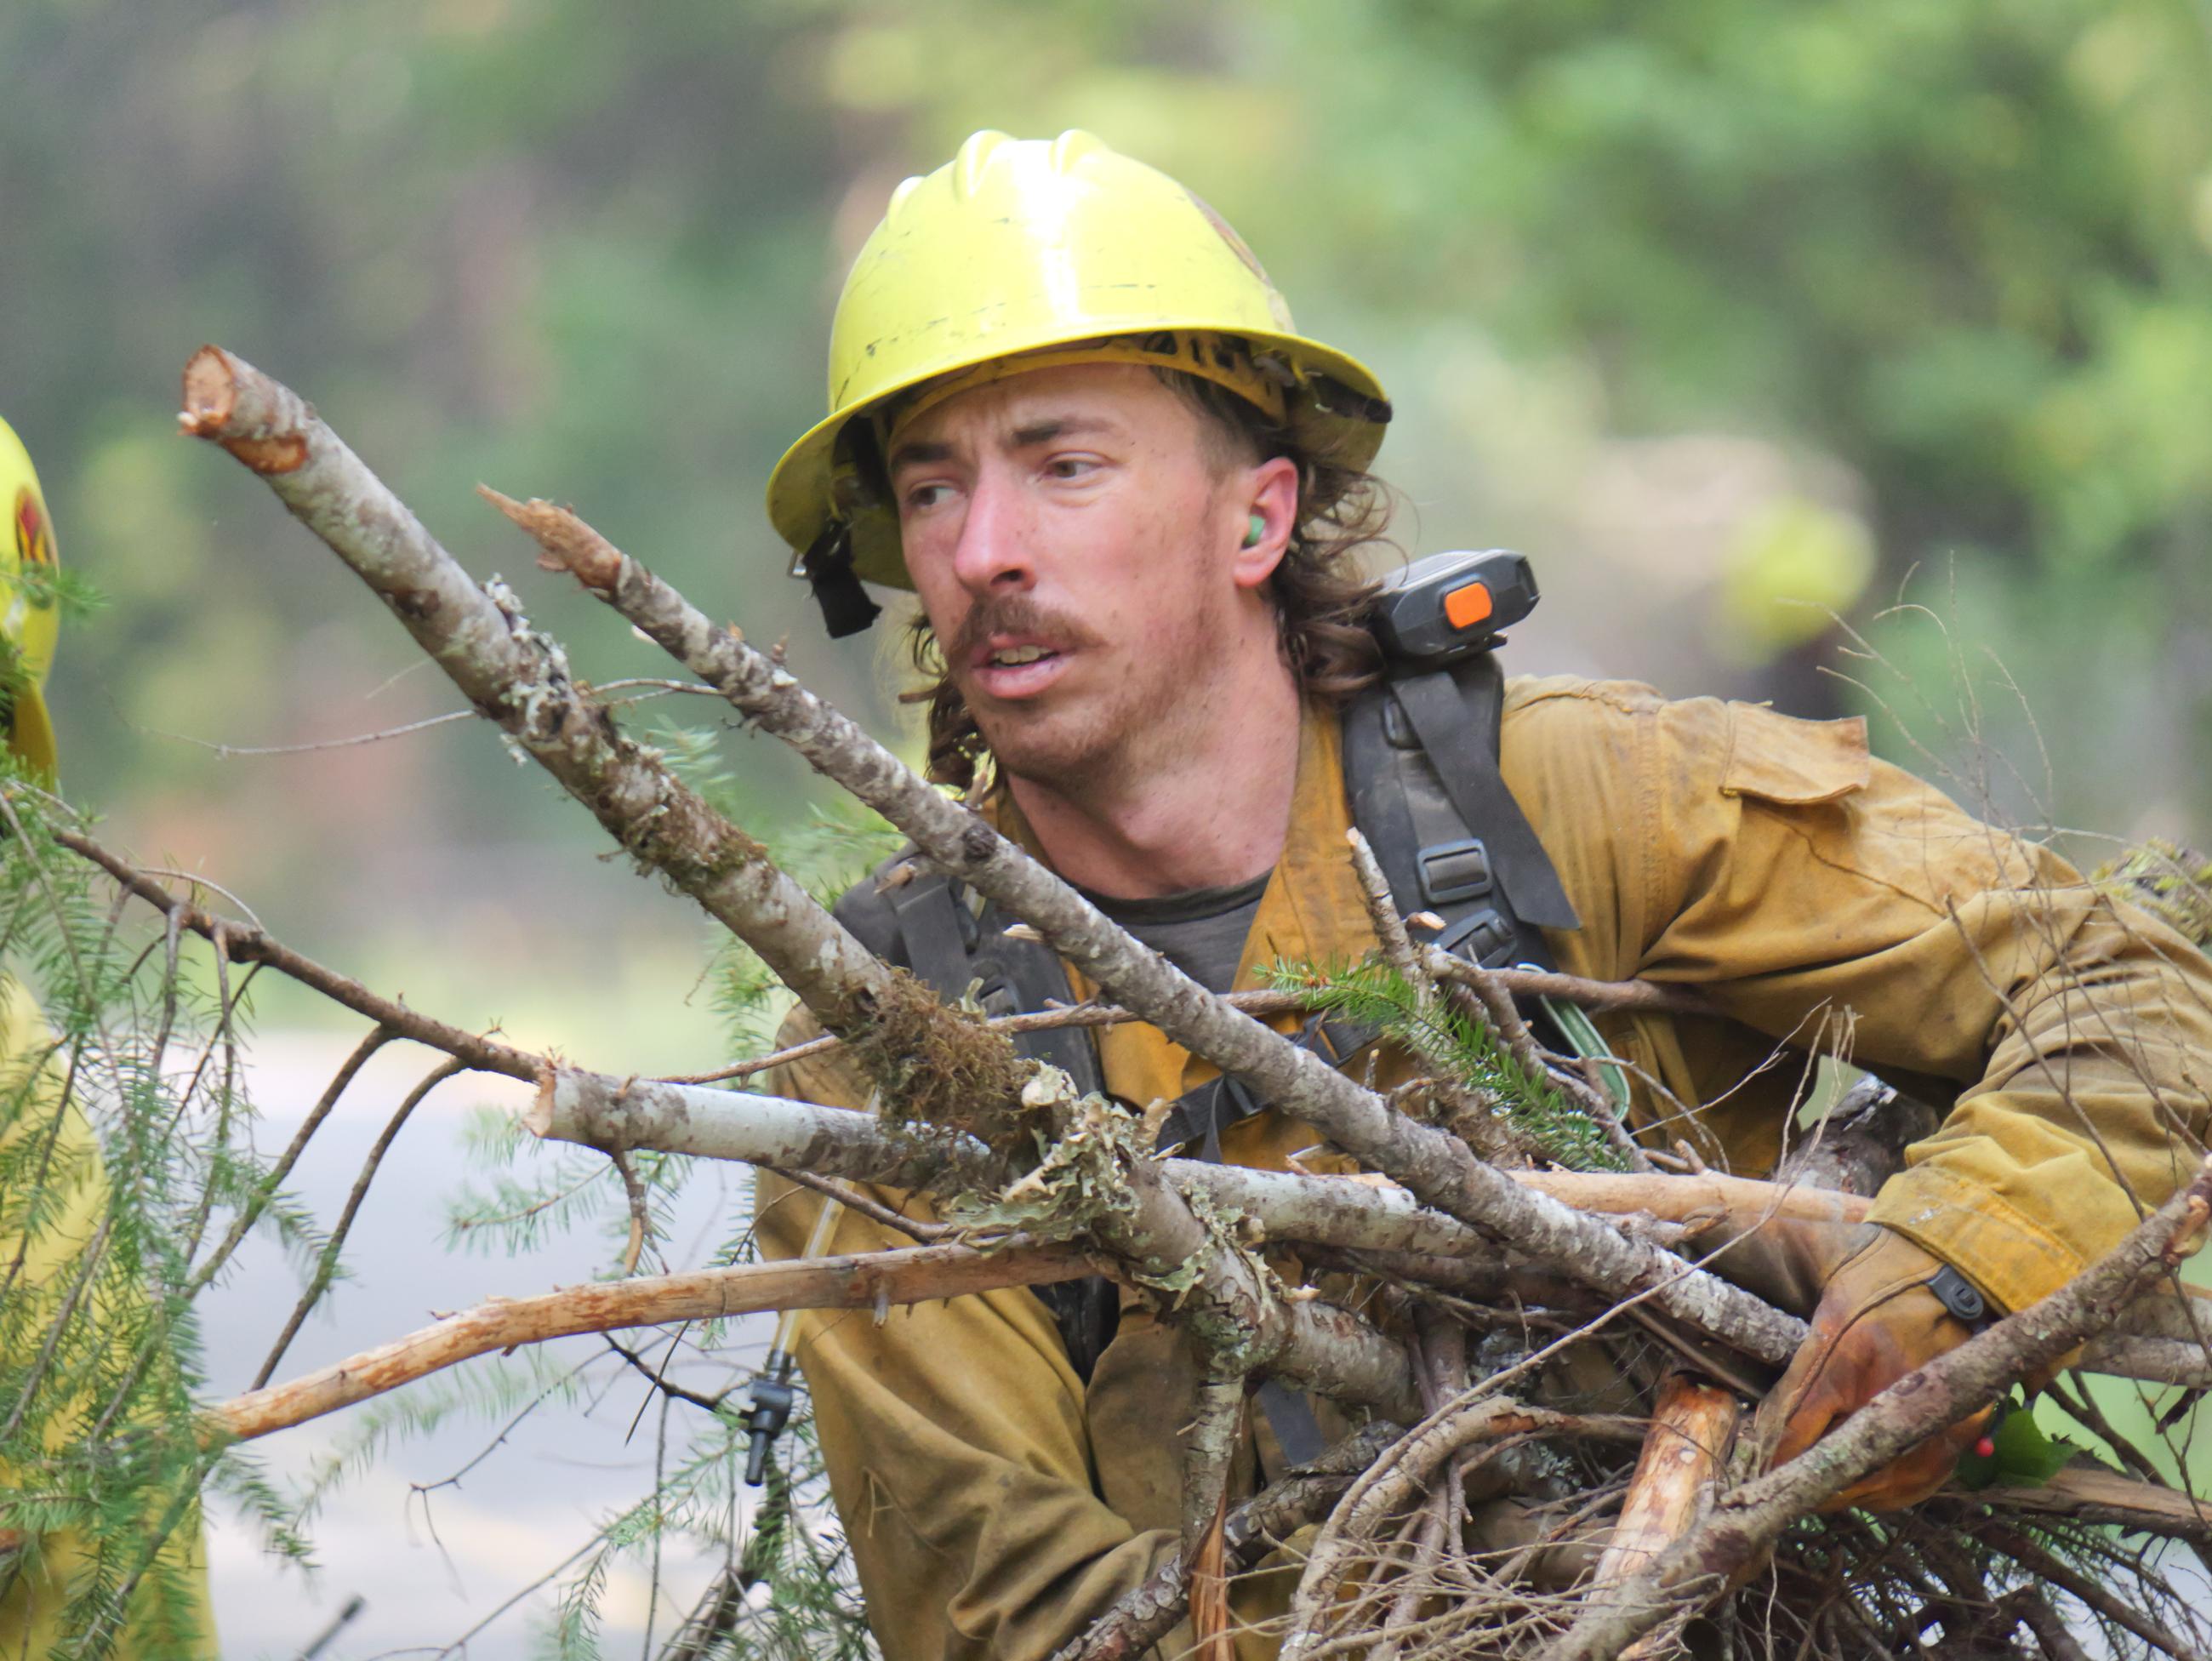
(1112, 740)
(1067, 749)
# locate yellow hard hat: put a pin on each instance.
(1048, 251)
(30, 623)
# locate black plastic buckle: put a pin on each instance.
(1478, 938)
(1959, 1295)
(1398, 725)
(769, 1407)
(1453, 871)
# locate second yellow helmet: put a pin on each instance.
(1047, 252)
(29, 623)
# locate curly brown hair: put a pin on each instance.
(1321, 599)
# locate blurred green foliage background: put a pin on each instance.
(1711, 305)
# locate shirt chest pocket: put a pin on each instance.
(1779, 758)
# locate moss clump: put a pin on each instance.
(941, 1066)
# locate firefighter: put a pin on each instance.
(1068, 409)
(39, 1576)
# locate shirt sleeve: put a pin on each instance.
(1796, 880)
(955, 1439)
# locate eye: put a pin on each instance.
(921, 498)
(1071, 466)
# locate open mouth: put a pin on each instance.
(1016, 669)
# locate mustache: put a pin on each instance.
(1016, 614)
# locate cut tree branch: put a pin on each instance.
(860, 1280)
(520, 679)
(1435, 1166)
(1693, 1426)
(1349, 1212)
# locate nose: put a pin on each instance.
(995, 550)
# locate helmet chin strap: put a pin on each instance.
(827, 565)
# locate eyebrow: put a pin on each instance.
(914, 453)
(1052, 427)
(920, 452)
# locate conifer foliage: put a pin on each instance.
(126, 1181)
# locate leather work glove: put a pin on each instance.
(1786, 1261)
(1877, 1319)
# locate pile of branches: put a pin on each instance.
(1551, 1385)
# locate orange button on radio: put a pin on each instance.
(1465, 606)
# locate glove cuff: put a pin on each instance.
(2016, 1259)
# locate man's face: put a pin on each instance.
(1079, 551)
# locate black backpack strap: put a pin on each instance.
(1458, 717)
(1213, 1106)
(938, 933)
(1421, 765)
(909, 913)
(865, 908)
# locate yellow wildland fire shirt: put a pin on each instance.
(995, 1504)
(38, 1577)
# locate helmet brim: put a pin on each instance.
(800, 503)
(31, 733)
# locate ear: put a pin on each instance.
(1267, 494)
